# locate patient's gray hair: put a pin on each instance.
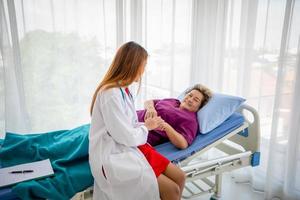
(205, 91)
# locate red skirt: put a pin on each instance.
(157, 161)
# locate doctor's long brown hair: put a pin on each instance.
(124, 68)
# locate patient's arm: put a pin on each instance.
(175, 138)
(150, 109)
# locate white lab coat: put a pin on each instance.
(113, 139)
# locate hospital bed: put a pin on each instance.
(237, 140)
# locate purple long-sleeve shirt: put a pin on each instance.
(183, 121)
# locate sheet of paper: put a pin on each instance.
(39, 169)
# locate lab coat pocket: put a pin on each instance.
(125, 166)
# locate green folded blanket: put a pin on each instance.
(68, 153)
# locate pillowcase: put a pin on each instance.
(216, 111)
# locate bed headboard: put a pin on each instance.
(251, 140)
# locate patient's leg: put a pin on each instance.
(168, 189)
(175, 174)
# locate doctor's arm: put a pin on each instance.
(120, 127)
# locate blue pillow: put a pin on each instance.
(216, 111)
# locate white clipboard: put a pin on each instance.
(24, 172)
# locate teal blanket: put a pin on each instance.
(68, 153)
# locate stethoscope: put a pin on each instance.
(129, 95)
(131, 104)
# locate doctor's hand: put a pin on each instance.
(153, 123)
(150, 113)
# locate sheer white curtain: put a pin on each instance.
(249, 48)
(283, 174)
(54, 53)
(166, 33)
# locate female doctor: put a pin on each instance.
(123, 165)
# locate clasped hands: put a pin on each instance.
(154, 122)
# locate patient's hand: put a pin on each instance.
(163, 126)
(150, 113)
(153, 123)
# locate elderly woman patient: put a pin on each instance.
(180, 120)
